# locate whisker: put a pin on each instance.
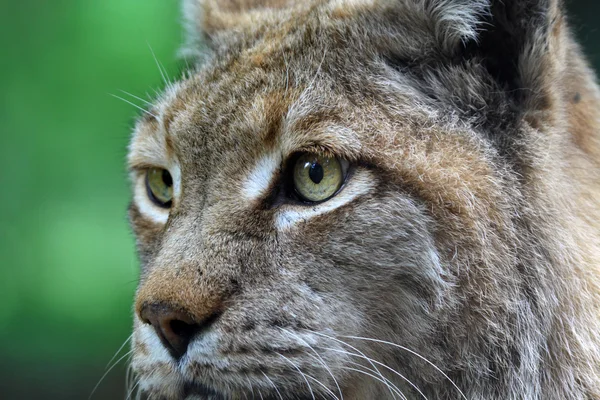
(272, 383)
(129, 375)
(156, 92)
(158, 65)
(318, 71)
(136, 97)
(320, 358)
(135, 105)
(287, 71)
(383, 365)
(413, 353)
(394, 387)
(118, 351)
(187, 67)
(250, 384)
(365, 368)
(138, 394)
(333, 395)
(107, 372)
(169, 82)
(355, 349)
(301, 373)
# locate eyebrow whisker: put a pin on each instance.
(136, 97)
(135, 105)
(161, 68)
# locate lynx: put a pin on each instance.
(370, 199)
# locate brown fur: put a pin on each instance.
(472, 231)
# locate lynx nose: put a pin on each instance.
(174, 327)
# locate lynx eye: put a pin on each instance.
(317, 178)
(159, 185)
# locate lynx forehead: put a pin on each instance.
(370, 199)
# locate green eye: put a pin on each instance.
(159, 186)
(317, 178)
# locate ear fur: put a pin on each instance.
(205, 19)
(520, 43)
(482, 53)
(456, 21)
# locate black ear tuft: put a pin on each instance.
(514, 34)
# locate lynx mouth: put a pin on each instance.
(198, 390)
(191, 391)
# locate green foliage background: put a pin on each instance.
(68, 269)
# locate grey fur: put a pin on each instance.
(477, 244)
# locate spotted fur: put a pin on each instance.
(467, 234)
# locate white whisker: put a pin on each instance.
(138, 394)
(318, 71)
(250, 384)
(107, 372)
(301, 373)
(320, 358)
(365, 368)
(383, 365)
(158, 65)
(274, 386)
(287, 71)
(394, 387)
(136, 97)
(129, 375)
(333, 395)
(355, 349)
(135, 105)
(186, 73)
(414, 353)
(118, 351)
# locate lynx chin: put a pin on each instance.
(370, 200)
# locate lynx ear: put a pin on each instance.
(207, 18)
(521, 43)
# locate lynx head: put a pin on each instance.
(345, 200)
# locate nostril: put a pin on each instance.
(181, 328)
(175, 327)
(177, 333)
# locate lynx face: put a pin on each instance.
(352, 199)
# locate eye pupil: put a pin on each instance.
(166, 177)
(315, 173)
(159, 186)
(317, 177)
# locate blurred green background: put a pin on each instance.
(67, 264)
